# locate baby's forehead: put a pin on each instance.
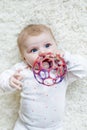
(38, 38)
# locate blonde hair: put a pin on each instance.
(32, 30)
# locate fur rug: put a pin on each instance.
(68, 20)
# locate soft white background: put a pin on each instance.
(68, 20)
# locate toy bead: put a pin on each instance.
(49, 69)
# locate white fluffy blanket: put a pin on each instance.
(68, 20)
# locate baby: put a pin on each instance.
(41, 107)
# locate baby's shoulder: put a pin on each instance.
(25, 70)
(20, 66)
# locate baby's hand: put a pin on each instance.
(15, 80)
(60, 52)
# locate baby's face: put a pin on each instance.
(36, 45)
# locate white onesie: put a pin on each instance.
(42, 107)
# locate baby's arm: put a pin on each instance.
(15, 80)
(76, 67)
(10, 80)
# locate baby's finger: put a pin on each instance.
(20, 78)
(17, 75)
(15, 83)
(15, 86)
(60, 52)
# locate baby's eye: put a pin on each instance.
(47, 45)
(34, 50)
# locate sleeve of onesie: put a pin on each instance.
(4, 77)
(76, 67)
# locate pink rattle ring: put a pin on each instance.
(49, 69)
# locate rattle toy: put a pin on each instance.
(49, 69)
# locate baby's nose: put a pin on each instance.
(42, 51)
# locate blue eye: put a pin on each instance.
(47, 45)
(34, 50)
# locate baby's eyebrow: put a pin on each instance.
(33, 47)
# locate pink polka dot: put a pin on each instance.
(33, 99)
(54, 109)
(45, 118)
(46, 94)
